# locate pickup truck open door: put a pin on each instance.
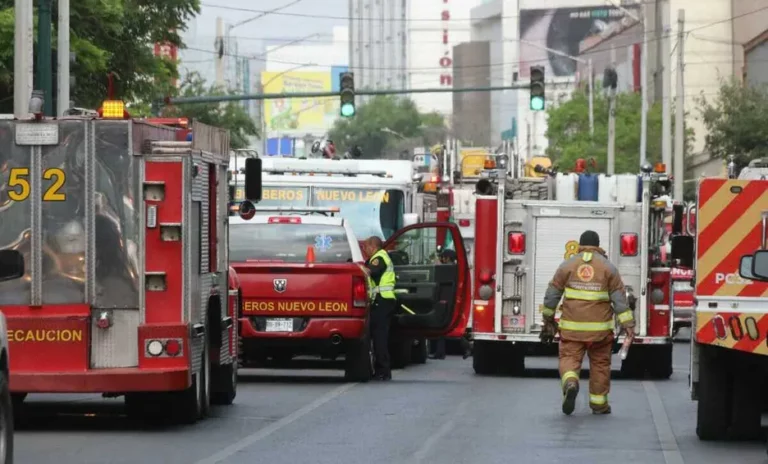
(439, 295)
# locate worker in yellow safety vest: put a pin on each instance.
(381, 283)
(592, 292)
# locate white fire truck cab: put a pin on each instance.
(127, 289)
(526, 227)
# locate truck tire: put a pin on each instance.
(6, 421)
(513, 357)
(420, 351)
(358, 362)
(400, 352)
(659, 363)
(226, 376)
(483, 359)
(634, 366)
(187, 406)
(747, 403)
(714, 407)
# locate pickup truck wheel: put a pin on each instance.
(358, 364)
(6, 421)
(420, 351)
(714, 406)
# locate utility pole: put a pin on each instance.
(62, 72)
(44, 72)
(220, 52)
(666, 83)
(23, 60)
(680, 110)
(611, 81)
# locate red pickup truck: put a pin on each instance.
(305, 292)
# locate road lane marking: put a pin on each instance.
(663, 428)
(422, 452)
(275, 426)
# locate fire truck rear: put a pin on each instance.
(522, 236)
(127, 289)
(729, 352)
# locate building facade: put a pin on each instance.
(408, 44)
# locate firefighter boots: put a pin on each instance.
(570, 391)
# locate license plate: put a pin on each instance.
(279, 325)
(517, 322)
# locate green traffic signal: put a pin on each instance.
(537, 103)
(348, 110)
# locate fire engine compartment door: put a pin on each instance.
(438, 294)
(555, 239)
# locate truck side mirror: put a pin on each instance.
(677, 219)
(745, 267)
(760, 265)
(253, 179)
(682, 249)
(11, 265)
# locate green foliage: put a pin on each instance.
(230, 115)
(109, 36)
(736, 122)
(570, 138)
(373, 125)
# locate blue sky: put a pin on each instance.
(255, 35)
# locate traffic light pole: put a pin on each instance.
(273, 96)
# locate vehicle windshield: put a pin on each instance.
(288, 243)
(370, 212)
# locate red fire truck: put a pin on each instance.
(521, 237)
(127, 289)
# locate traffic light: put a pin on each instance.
(347, 94)
(537, 88)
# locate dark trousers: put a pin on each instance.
(381, 317)
(438, 348)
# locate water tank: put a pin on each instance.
(627, 188)
(606, 188)
(565, 186)
(588, 187)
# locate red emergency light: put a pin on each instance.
(172, 347)
(359, 292)
(516, 243)
(464, 222)
(284, 220)
(628, 244)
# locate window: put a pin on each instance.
(370, 212)
(288, 243)
(417, 246)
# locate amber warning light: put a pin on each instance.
(113, 109)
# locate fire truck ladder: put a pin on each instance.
(311, 171)
(324, 210)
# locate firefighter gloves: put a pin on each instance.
(549, 331)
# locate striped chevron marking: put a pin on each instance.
(729, 220)
(737, 331)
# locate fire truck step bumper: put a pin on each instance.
(119, 380)
(534, 338)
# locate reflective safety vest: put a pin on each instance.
(386, 287)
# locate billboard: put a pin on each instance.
(567, 30)
(300, 115)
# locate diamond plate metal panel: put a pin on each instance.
(117, 345)
(551, 235)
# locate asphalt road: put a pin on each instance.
(437, 413)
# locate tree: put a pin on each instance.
(230, 115)
(109, 36)
(737, 122)
(570, 138)
(381, 123)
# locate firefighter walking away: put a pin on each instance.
(382, 285)
(592, 291)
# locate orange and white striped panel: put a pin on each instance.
(729, 220)
(736, 331)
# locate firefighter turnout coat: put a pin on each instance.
(592, 291)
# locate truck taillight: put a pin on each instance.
(516, 243)
(464, 222)
(485, 276)
(628, 244)
(284, 220)
(359, 292)
(169, 347)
